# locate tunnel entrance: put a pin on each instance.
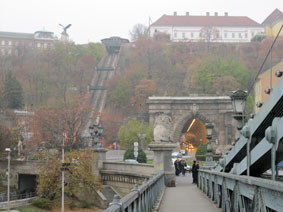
(193, 134)
(27, 183)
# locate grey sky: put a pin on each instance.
(93, 20)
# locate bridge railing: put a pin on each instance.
(140, 199)
(241, 193)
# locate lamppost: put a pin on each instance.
(209, 163)
(8, 192)
(95, 132)
(238, 99)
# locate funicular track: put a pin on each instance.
(98, 92)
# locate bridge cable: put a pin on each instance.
(269, 51)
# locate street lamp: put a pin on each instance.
(95, 132)
(238, 99)
(209, 158)
(8, 192)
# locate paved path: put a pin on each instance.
(186, 197)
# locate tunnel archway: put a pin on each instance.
(190, 131)
(193, 134)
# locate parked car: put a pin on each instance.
(183, 151)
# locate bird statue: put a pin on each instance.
(65, 29)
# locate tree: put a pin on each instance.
(209, 34)
(49, 123)
(138, 31)
(213, 66)
(128, 133)
(13, 92)
(143, 90)
(79, 176)
(8, 139)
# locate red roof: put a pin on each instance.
(188, 20)
(273, 17)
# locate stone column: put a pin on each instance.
(99, 155)
(163, 161)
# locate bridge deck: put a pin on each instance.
(186, 197)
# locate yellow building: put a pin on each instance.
(263, 82)
(273, 23)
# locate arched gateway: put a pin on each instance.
(189, 115)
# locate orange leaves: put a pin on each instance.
(143, 90)
(48, 124)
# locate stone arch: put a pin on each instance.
(177, 131)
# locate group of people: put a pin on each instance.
(180, 165)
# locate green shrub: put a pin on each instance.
(129, 154)
(72, 205)
(85, 205)
(201, 153)
(43, 203)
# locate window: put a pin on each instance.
(240, 35)
(184, 35)
(16, 52)
(30, 44)
(3, 52)
(246, 35)
(38, 45)
(253, 34)
(45, 45)
(225, 35)
(10, 43)
(3, 43)
(217, 35)
(200, 35)
(16, 43)
(233, 35)
(10, 51)
(192, 35)
(175, 34)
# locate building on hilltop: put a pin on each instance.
(207, 28)
(273, 23)
(15, 43)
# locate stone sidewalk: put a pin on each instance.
(186, 197)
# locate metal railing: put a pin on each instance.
(15, 196)
(241, 193)
(140, 199)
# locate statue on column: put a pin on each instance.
(162, 129)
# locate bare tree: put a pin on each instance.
(209, 34)
(138, 31)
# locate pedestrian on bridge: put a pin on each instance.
(177, 167)
(195, 169)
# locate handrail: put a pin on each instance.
(231, 191)
(140, 199)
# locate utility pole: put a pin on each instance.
(64, 136)
(8, 192)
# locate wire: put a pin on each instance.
(269, 51)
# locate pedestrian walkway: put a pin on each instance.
(186, 197)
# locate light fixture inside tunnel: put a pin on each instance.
(194, 120)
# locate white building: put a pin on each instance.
(207, 28)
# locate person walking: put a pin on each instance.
(177, 167)
(195, 169)
(183, 164)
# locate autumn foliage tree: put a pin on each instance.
(79, 176)
(143, 90)
(49, 123)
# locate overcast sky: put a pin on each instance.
(93, 20)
